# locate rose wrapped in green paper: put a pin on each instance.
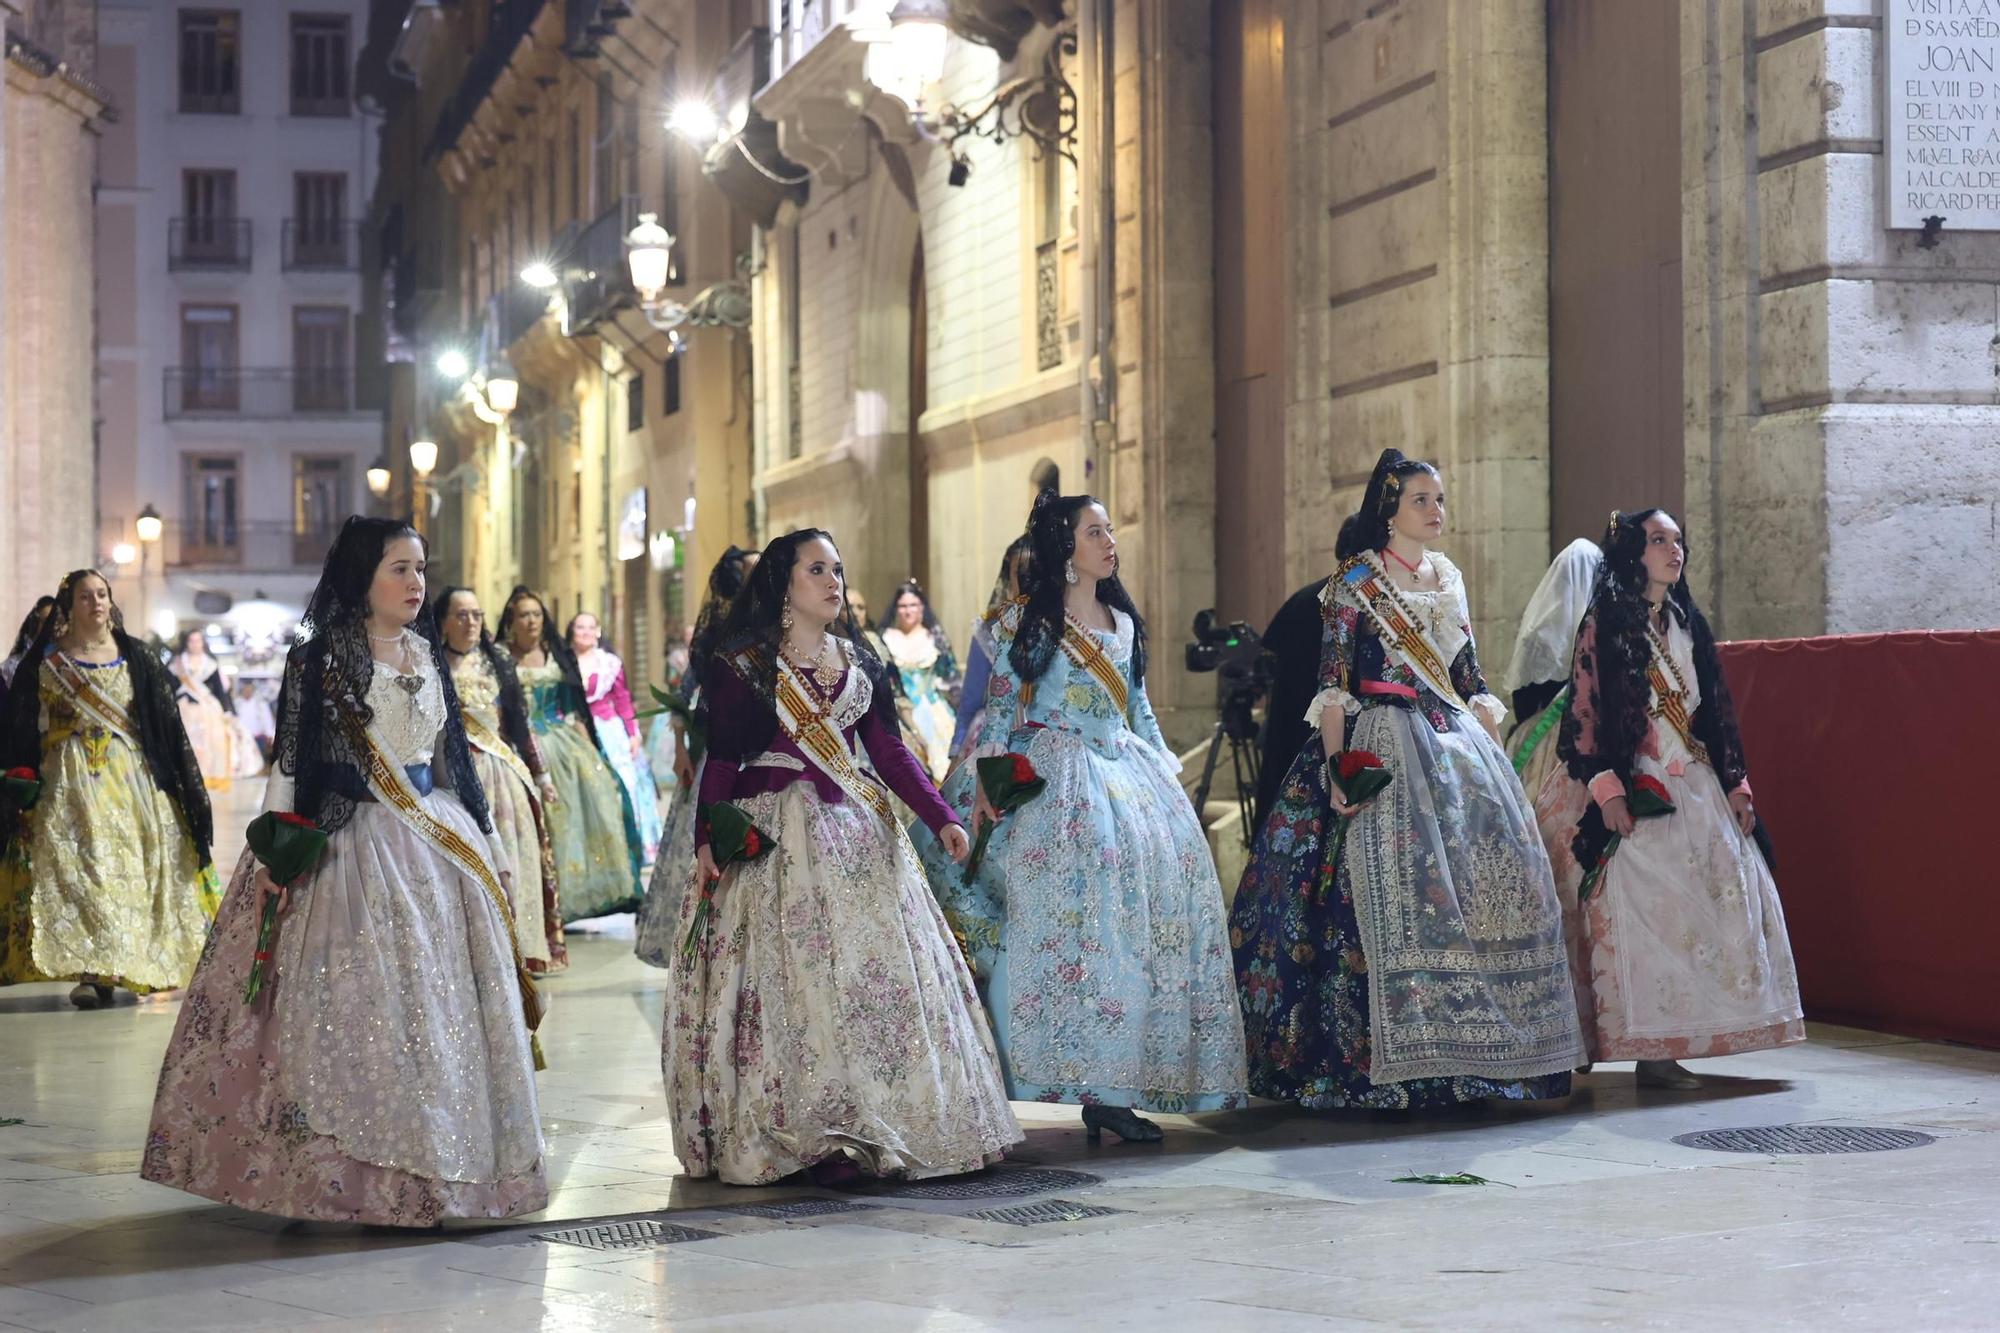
(287, 845)
(23, 787)
(1010, 782)
(1648, 800)
(732, 836)
(1362, 777)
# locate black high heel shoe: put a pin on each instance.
(1129, 1126)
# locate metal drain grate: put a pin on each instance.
(1788, 1139)
(635, 1234)
(997, 1184)
(801, 1208)
(1049, 1210)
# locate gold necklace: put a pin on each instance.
(826, 677)
(1666, 657)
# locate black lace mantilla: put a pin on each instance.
(162, 738)
(323, 708)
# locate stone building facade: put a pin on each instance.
(535, 134)
(1584, 256)
(53, 112)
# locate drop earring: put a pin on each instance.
(1069, 571)
(785, 619)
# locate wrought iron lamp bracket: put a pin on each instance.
(1041, 108)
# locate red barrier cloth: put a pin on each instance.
(1873, 760)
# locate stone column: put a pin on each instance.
(1841, 413)
(1162, 462)
(1419, 212)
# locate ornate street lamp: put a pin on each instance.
(649, 256)
(503, 389)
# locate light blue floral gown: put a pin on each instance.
(1096, 924)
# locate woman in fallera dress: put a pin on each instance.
(508, 764)
(1425, 965)
(654, 939)
(205, 709)
(591, 825)
(920, 654)
(31, 625)
(385, 1072)
(1680, 949)
(826, 1020)
(106, 879)
(1095, 922)
(617, 725)
(979, 656)
(1543, 651)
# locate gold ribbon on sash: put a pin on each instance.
(1670, 697)
(495, 745)
(1082, 648)
(93, 700)
(1398, 628)
(808, 728)
(392, 788)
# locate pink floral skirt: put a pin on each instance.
(241, 1118)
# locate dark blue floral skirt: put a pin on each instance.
(1302, 976)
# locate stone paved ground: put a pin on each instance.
(1266, 1219)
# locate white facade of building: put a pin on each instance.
(229, 271)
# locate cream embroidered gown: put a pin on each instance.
(1681, 950)
(385, 1073)
(107, 881)
(526, 862)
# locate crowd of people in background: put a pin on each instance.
(890, 897)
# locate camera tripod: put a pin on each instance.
(1244, 761)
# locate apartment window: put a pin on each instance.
(672, 398)
(210, 485)
(319, 358)
(319, 65)
(319, 220)
(208, 358)
(635, 401)
(319, 506)
(211, 69)
(208, 219)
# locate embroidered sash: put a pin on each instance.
(1670, 698)
(94, 701)
(1398, 628)
(496, 745)
(392, 788)
(808, 728)
(1082, 649)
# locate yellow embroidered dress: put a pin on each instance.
(106, 880)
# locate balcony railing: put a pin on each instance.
(599, 253)
(223, 542)
(202, 244)
(321, 247)
(259, 394)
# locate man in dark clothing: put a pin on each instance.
(1293, 640)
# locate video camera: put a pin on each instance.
(1242, 668)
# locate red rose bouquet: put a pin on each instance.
(287, 846)
(23, 786)
(732, 837)
(1648, 800)
(1362, 777)
(1009, 782)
